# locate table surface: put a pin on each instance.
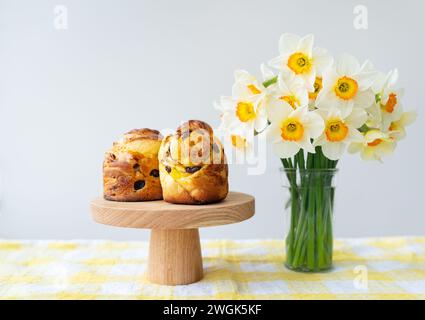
(369, 268)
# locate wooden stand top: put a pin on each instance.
(163, 215)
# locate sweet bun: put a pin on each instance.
(192, 165)
(130, 168)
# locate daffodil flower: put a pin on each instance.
(339, 131)
(374, 146)
(291, 130)
(291, 89)
(347, 85)
(389, 97)
(244, 113)
(298, 56)
(246, 85)
(240, 138)
(397, 129)
(246, 107)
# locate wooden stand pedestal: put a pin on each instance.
(174, 251)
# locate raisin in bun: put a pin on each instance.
(130, 168)
(192, 165)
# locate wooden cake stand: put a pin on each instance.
(174, 250)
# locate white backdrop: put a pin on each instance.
(65, 95)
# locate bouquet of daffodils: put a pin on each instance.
(312, 107)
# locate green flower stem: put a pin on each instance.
(320, 241)
(311, 235)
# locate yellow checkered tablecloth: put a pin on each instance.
(371, 268)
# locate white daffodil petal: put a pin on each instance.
(323, 113)
(260, 122)
(241, 75)
(278, 110)
(374, 116)
(240, 91)
(305, 143)
(266, 72)
(277, 62)
(323, 97)
(329, 78)
(385, 148)
(354, 135)
(392, 78)
(300, 112)
(321, 60)
(365, 80)
(288, 42)
(334, 113)
(315, 124)
(333, 150)
(364, 99)
(357, 117)
(347, 65)
(302, 95)
(226, 104)
(281, 82)
(345, 107)
(379, 83)
(273, 132)
(367, 66)
(306, 44)
(367, 154)
(286, 149)
(400, 93)
(355, 147)
(326, 99)
(309, 79)
(320, 140)
(408, 118)
(399, 134)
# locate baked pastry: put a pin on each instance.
(130, 168)
(192, 165)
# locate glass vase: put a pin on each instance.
(309, 218)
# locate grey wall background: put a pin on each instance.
(65, 95)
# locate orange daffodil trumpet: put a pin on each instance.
(309, 102)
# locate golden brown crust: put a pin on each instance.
(201, 176)
(191, 125)
(143, 133)
(130, 167)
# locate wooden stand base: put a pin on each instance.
(175, 257)
(174, 251)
